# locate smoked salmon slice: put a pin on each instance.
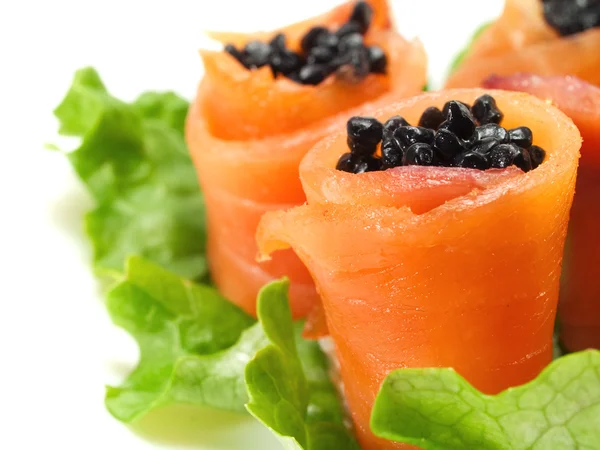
(521, 24)
(520, 40)
(579, 308)
(247, 132)
(435, 266)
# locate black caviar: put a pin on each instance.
(459, 120)
(419, 154)
(432, 118)
(485, 110)
(459, 135)
(323, 52)
(572, 16)
(364, 133)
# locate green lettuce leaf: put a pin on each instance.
(194, 347)
(134, 162)
(437, 409)
(288, 384)
(194, 344)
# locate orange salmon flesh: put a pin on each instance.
(579, 309)
(520, 40)
(435, 267)
(248, 132)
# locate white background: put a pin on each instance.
(57, 346)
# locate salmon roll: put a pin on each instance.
(263, 103)
(450, 254)
(579, 307)
(545, 37)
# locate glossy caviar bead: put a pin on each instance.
(491, 131)
(278, 43)
(348, 28)
(393, 123)
(319, 55)
(447, 145)
(472, 160)
(419, 154)
(364, 133)
(329, 40)
(285, 62)
(484, 146)
(409, 135)
(365, 129)
(502, 156)
(362, 15)
(486, 111)
(236, 54)
(459, 120)
(352, 163)
(391, 152)
(537, 155)
(522, 136)
(309, 40)
(446, 107)
(377, 60)
(361, 165)
(361, 148)
(257, 54)
(570, 17)
(356, 67)
(523, 159)
(313, 74)
(432, 118)
(346, 163)
(350, 41)
(514, 148)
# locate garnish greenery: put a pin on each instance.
(290, 391)
(194, 344)
(135, 164)
(437, 409)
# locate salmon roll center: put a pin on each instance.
(459, 135)
(323, 52)
(268, 84)
(255, 117)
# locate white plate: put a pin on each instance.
(57, 344)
